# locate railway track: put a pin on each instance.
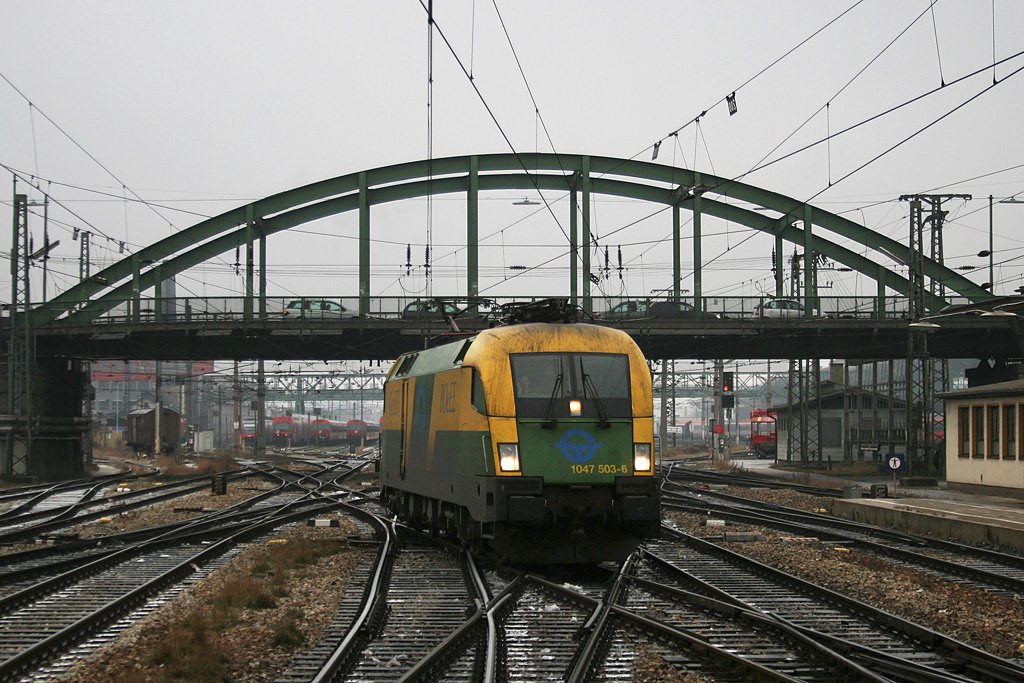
(24, 569)
(683, 600)
(975, 566)
(34, 523)
(51, 615)
(131, 470)
(21, 569)
(588, 630)
(17, 500)
(422, 609)
(883, 643)
(446, 619)
(57, 598)
(31, 525)
(675, 472)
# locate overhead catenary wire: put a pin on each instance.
(757, 75)
(993, 41)
(879, 115)
(491, 114)
(95, 160)
(921, 130)
(828, 138)
(75, 142)
(829, 135)
(831, 183)
(35, 145)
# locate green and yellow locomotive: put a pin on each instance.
(535, 439)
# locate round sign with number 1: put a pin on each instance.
(895, 464)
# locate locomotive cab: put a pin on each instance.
(575, 427)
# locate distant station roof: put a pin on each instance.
(1012, 388)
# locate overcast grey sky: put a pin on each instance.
(199, 107)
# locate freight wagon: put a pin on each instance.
(142, 430)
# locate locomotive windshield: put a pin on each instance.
(544, 383)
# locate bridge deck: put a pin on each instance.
(373, 338)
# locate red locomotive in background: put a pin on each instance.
(290, 430)
(762, 433)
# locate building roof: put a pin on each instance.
(1012, 388)
(829, 390)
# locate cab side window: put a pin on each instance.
(479, 400)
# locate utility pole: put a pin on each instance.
(261, 410)
(158, 415)
(719, 431)
(664, 403)
(235, 413)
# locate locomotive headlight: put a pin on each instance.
(508, 457)
(641, 457)
(575, 407)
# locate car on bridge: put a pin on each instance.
(431, 309)
(628, 310)
(780, 308)
(315, 308)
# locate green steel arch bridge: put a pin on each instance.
(247, 227)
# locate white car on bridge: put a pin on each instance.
(780, 308)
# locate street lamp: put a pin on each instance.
(990, 252)
(982, 254)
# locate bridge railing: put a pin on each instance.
(213, 309)
(866, 307)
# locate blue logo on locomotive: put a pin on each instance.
(578, 446)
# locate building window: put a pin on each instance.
(978, 427)
(964, 425)
(993, 431)
(1010, 430)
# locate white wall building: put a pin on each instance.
(984, 438)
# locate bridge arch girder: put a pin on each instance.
(661, 184)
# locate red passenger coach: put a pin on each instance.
(360, 432)
(762, 433)
(324, 432)
(290, 430)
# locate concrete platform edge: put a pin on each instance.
(900, 515)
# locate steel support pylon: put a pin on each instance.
(804, 397)
(923, 375)
(18, 443)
